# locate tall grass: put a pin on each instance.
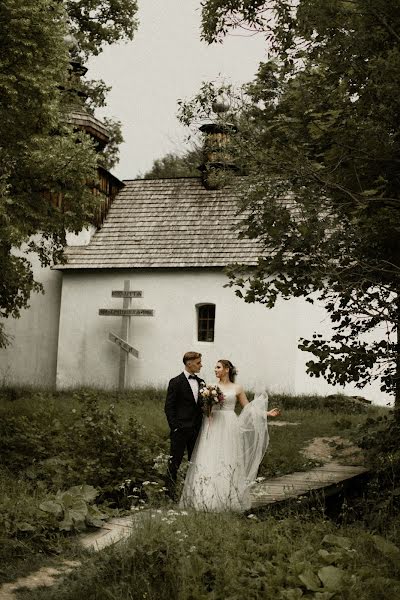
(51, 440)
(209, 556)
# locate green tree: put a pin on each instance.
(319, 135)
(98, 22)
(41, 157)
(176, 165)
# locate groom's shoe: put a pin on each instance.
(171, 495)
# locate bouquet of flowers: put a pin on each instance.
(211, 395)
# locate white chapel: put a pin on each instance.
(167, 242)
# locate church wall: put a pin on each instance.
(31, 358)
(262, 343)
(258, 341)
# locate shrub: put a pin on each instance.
(73, 508)
(24, 528)
(381, 499)
(25, 439)
(337, 403)
(91, 446)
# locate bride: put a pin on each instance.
(228, 450)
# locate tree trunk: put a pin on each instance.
(397, 374)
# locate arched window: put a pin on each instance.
(205, 322)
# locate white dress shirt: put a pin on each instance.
(194, 384)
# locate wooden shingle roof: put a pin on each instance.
(166, 223)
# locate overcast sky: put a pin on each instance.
(165, 62)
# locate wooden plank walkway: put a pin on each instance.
(113, 531)
(270, 491)
(299, 483)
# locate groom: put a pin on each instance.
(184, 415)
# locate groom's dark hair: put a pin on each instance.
(190, 356)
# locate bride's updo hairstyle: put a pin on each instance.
(232, 370)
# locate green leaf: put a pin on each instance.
(310, 580)
(292, 594)
(67, 523)
(369, 193)
(386, 547)
(25, 527)
(94, 517)
(330, 557)
(51, 507)
(337, 540)
(331, 577)
(75, 506)
(87, 492)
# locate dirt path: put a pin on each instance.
(335, 448)
(45, 577)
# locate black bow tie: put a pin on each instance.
(192, 377)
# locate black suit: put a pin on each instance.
(184, 417)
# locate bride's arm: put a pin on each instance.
(241, 396)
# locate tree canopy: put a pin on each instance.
(319, 135)
(176, 165)
(98, 22)
(41, 156)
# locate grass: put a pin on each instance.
(21, 549)
(176, 557)
(284, 453)
(243, 554)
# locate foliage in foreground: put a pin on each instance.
(57, 459)
(91, 446)
(176, 556)
(52, 444)
(379, 439)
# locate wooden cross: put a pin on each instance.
(126, 312)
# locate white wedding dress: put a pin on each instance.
(226, 457)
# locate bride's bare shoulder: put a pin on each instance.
(238, 388)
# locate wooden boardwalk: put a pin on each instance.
(329, 478)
